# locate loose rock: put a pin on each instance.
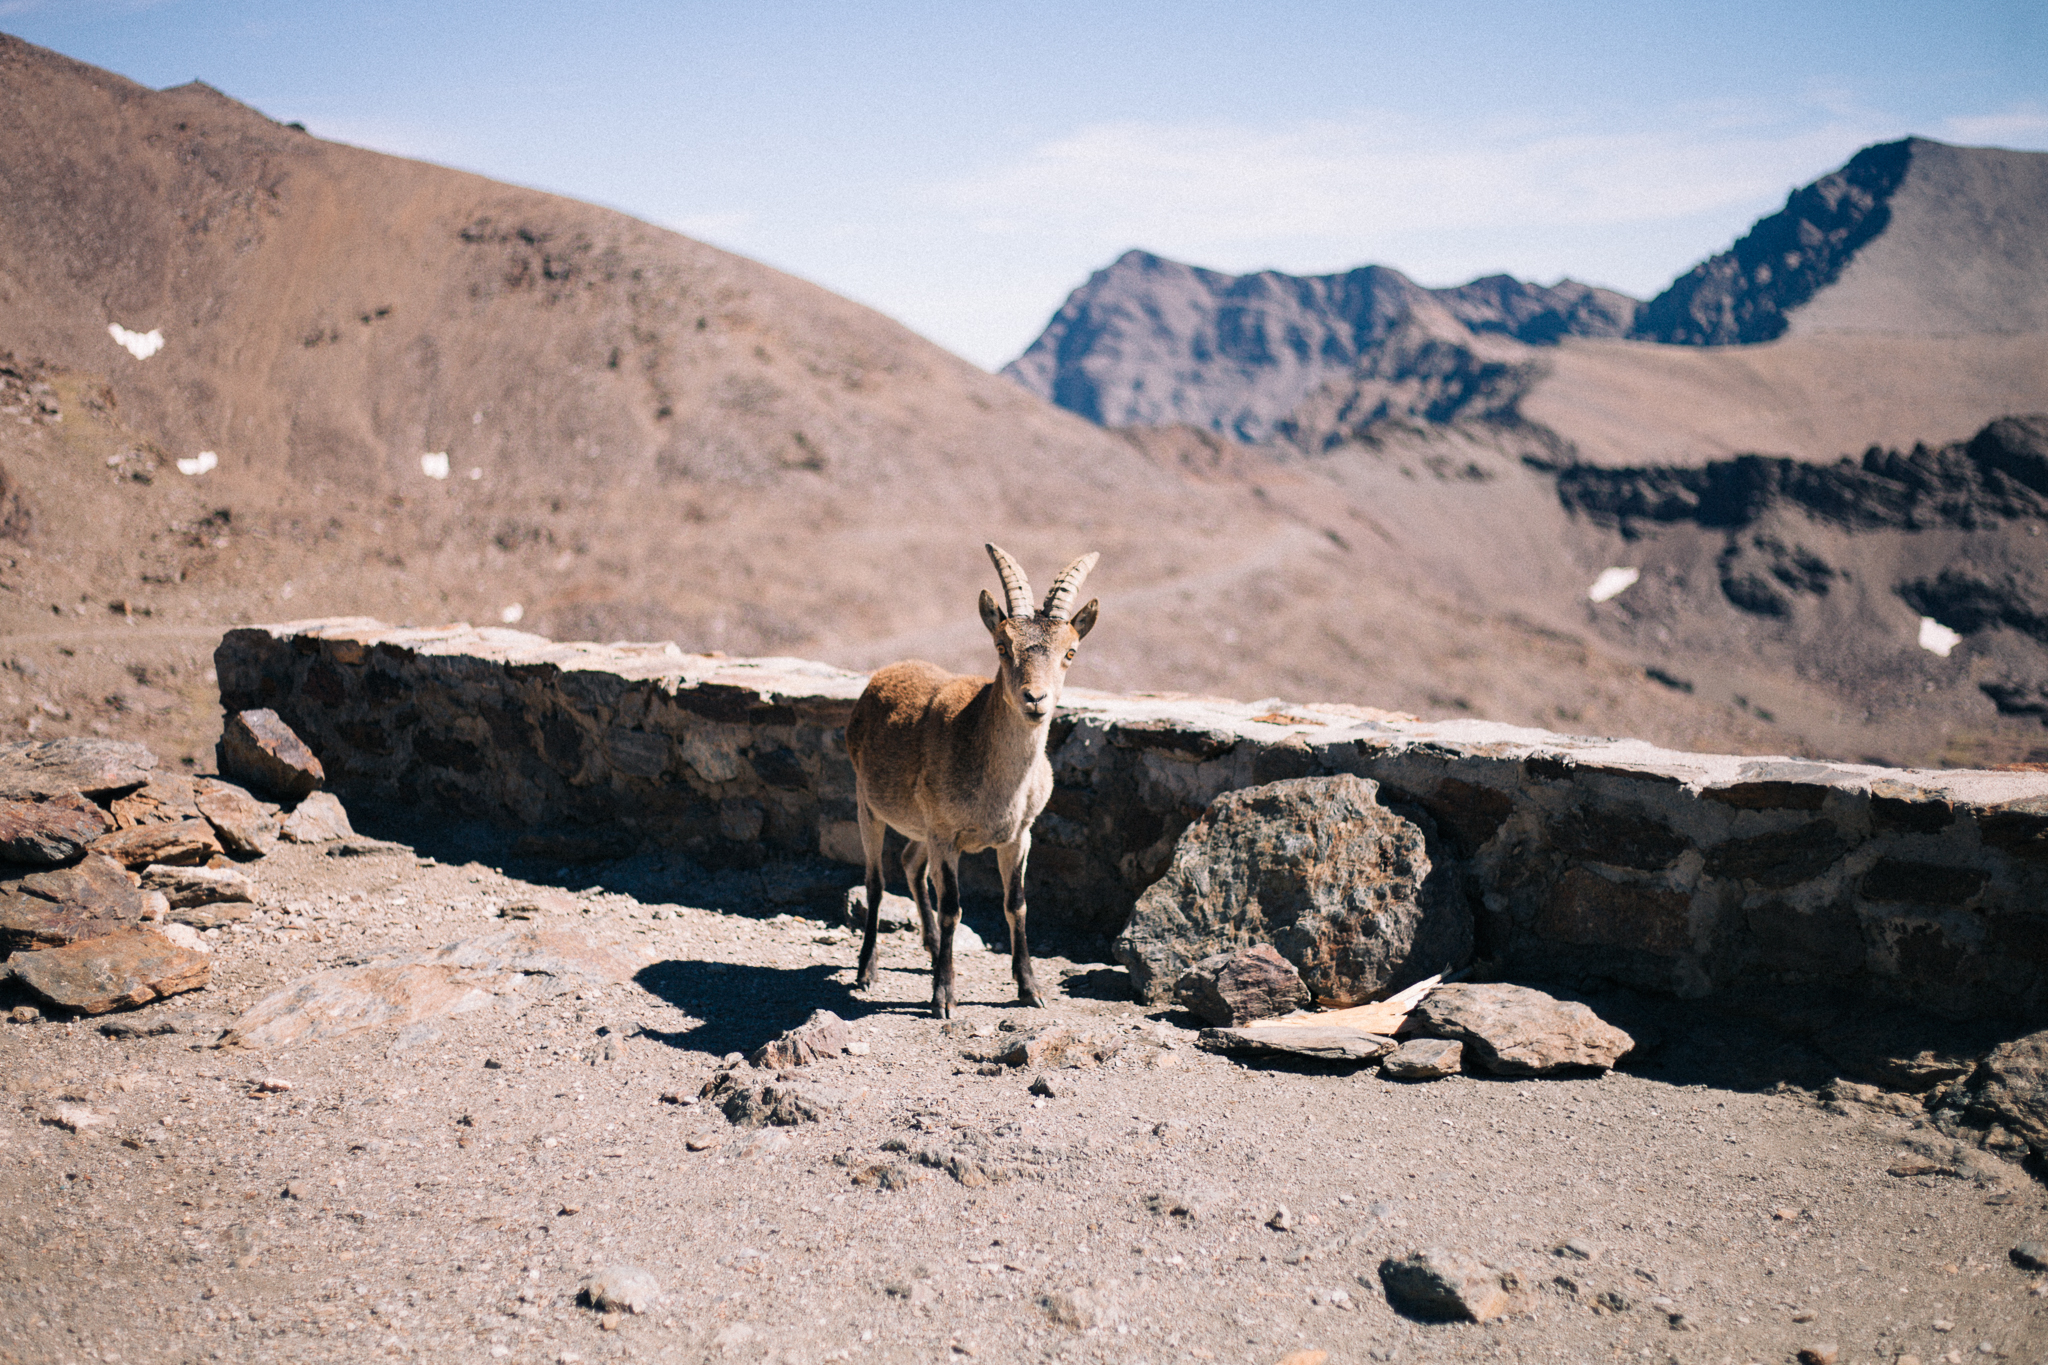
(1322, 1044)
(38, 770)
(1446, 1285)
(1517, 1031)
(52, 831)
(1046, 1048)
(258, 750)
(1424, 1059)
(2012, 1086)
(1078, 1309)
(1318, 868)
(244, 824)
(621, 1289)
(2030, 1256)
(1819, 1353)
(898, 912)
(1234, 988)
(127, 968)
(781, 1103)
(318, 819)
(821, 1036)
(180, 843)
(50, 909)
(166, 799)
(184, 887)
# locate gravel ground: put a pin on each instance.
(442, 1192)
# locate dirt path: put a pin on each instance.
(441, 1193)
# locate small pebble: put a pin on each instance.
(1282, 1220)
(24, 1014)
(2030, 1256)
(1819, 1353)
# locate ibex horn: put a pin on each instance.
(1059, 603)
(1016, 587)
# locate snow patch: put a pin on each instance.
(1612, 583)
(1937, 638)
(435, 465)
(511, 615)
(141, 345)
(199, 463)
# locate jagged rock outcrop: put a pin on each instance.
(1912, 236)
(1149, 341)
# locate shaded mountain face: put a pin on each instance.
(1150, 342)
(1912, 237)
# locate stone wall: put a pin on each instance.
(1592, 859)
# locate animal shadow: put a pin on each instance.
(743, 1006)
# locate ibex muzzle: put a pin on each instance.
(957, 765)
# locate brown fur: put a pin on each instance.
(957, 765)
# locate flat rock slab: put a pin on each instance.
(319, 819)
(186, 887)
(258, 750)
(50, 909)
(1232, 989)
(1315, 866)
(1448, 1285)
(1049, 1048)
(1424, 1059)
(37, 770)
(115, 971)
(165, 799)
(245, 825)
(453, 979)
(821, 1036)
(1322, 1044)
(1518, 1031)
(52, 831)
(180, 843)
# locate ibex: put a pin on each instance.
(957, 765)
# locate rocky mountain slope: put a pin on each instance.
(1912, 242)
(1148, 341)
(427, 397)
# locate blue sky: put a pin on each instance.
(962, 165)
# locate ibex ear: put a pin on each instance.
(1084, 619)
(991, 614)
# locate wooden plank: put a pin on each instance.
(1383, 1017)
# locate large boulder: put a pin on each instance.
(1517, 1031)
(1340, 885)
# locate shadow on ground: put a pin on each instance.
(745, 1006)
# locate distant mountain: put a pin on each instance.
(1152, 342)
(1913, 237)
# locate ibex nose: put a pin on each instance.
(1034, 702)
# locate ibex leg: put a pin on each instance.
(872, 833)
(1010, 861)
(945, 866)
(916, 861)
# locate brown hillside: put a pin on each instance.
(672, 442)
